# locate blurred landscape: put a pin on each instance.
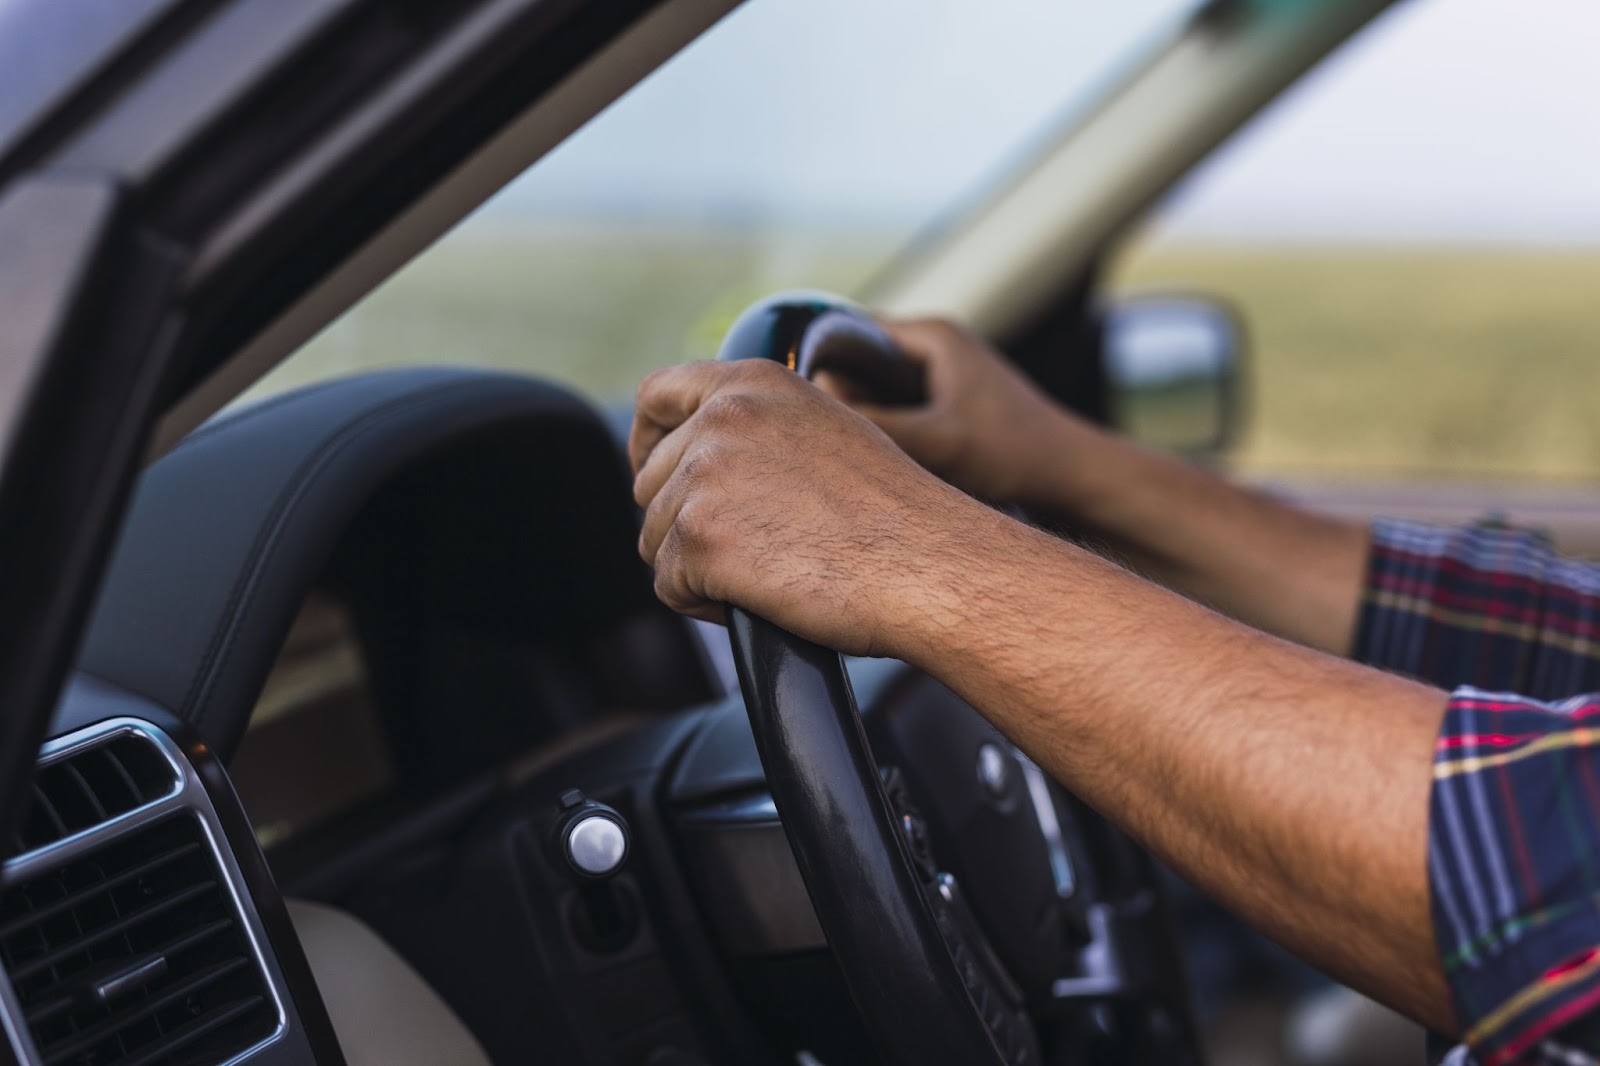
(1466, 362)
(594, 307)
(1477, 363)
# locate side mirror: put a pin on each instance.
(1172, 370)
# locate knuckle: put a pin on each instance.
(652, 382)
(734, 408)
(698, 465)
(693, 529)
(669, 558)
(759, 378)
(666, 588)
(671, 575)
(757, 369)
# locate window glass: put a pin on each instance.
(1412, 237)
(799, 143)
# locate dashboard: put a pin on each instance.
(364, 599)
(383, 645)
(139, 924)
(315, 747)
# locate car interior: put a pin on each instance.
(357, 733)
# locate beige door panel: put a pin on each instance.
(383, 1012)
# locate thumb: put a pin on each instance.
(923, 341)
(909, 427)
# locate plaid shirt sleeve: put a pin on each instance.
(1514, 821)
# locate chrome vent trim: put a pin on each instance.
(186, 799)
(85, 782)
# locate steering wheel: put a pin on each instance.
(929, 987)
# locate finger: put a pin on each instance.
(661, 516)
(841, 387)
(643, 437)
(913, 340)
(920, 339)
(662, 462)
(667, 399)
(672, 585)
(906, 426)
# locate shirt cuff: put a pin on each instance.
(1453, 605)
(1514, 868)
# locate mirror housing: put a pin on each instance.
(1172, 369)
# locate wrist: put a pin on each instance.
(922, 591)
(1073, 469)
(954, 576)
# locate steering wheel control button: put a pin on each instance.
(591, 838)
(916, 834)
(913, 827)
(994, 771)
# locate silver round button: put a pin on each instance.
(993, 772)
(597, 845)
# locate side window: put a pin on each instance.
(1412, 239)
(797, 144)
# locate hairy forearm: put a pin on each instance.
(1253, 557)
(1291, 786)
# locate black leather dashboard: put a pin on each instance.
(494, 500)
(477, 524)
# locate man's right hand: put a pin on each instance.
(985, 428)
(989, 430)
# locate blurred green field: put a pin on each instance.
(1472, 363)
(596, 309)
(1478, 363)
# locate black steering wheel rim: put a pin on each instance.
(927, 986)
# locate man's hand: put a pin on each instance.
(986, 428)
(762, 492)
(1291, 786)
(989, 430)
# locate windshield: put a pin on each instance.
(799, 143)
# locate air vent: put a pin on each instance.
(90, 785)
(133, 954)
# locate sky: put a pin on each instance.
(1470, 120)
